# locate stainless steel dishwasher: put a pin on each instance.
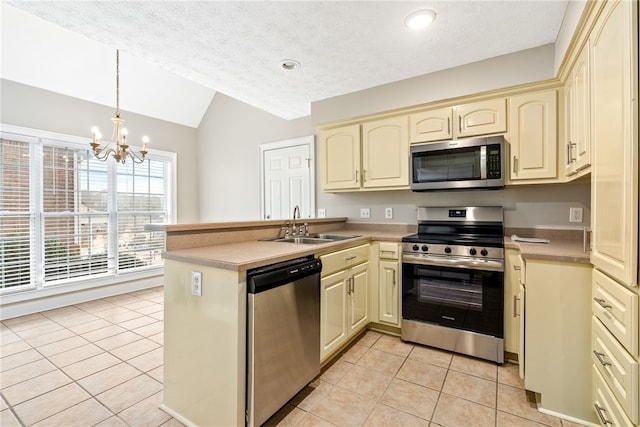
(283, 334)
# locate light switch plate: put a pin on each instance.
(388, 213)
(365, 213)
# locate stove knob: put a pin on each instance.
(472, 251)
(447, 250)
(484, 252)
(415, 247)
(425, 248)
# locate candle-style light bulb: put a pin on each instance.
(145, 140)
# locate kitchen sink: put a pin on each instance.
(313, 239)
(334, 237)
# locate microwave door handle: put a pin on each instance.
(483, 162)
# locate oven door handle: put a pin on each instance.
(484, 264)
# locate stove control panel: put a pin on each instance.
(455, 250)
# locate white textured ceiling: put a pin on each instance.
(235, 47)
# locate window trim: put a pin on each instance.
(38, 138)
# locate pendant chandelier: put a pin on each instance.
(121, 150)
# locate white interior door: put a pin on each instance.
(288, 173)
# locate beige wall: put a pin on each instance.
(522, 67)
(228, 163)
(30, 107)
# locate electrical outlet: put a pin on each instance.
(322, 213)
(196, 283)
(388, 213)
(365, 213)
(575, 214)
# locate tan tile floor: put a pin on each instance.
(100, 363)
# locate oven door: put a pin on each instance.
(460, 298)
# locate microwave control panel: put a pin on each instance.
(494, 160)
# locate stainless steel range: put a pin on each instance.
(453, 281)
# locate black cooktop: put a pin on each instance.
(479, 234)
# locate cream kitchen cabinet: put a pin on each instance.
(389, 287)
(344, 297)
(557, 336)
(513, 315)
(532, 136)
(577, 103)
(340, 158)
(374, 155)
(614, 129)
(462, 121)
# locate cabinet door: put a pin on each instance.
(480, 118)
(532, 132)
(433, 125)
(580, 118)
(385, 153)
(512, 297)
(340, 159)
(358, 314)
(388, 292)
(614, 170)
(333, 314)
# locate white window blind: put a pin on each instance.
(16, 216)
(66, 216)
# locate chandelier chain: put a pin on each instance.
(117, 82)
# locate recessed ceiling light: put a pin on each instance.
(420, 19)
(289, 64)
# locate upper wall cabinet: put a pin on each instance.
(340, 158)
(532, 136)
(462, 121)
(371, 156)
(577, 116)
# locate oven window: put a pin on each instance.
(462, 295)
(459, 164)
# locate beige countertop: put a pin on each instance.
(240, 256)
(561, 250)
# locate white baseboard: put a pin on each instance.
(13, 306)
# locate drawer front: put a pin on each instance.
(607, 408)
(617, 309)
(617, 367)
(389, 250)
(345, 258)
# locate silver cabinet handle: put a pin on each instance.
(572, 146)
(448, 125)
(517, 267)
(601, 415)
(349, 258)
(568, 153)
(459, 123)
(516, 304)
(515, 164)
(356, 177)
(600, 357)
(586, 241)
(602, 303)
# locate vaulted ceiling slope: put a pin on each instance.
(176, 54)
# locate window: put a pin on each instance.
(66, 216)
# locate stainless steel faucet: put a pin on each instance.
(293, 226)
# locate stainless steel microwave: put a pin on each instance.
(474, 163)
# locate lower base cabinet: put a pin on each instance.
(344, 298)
